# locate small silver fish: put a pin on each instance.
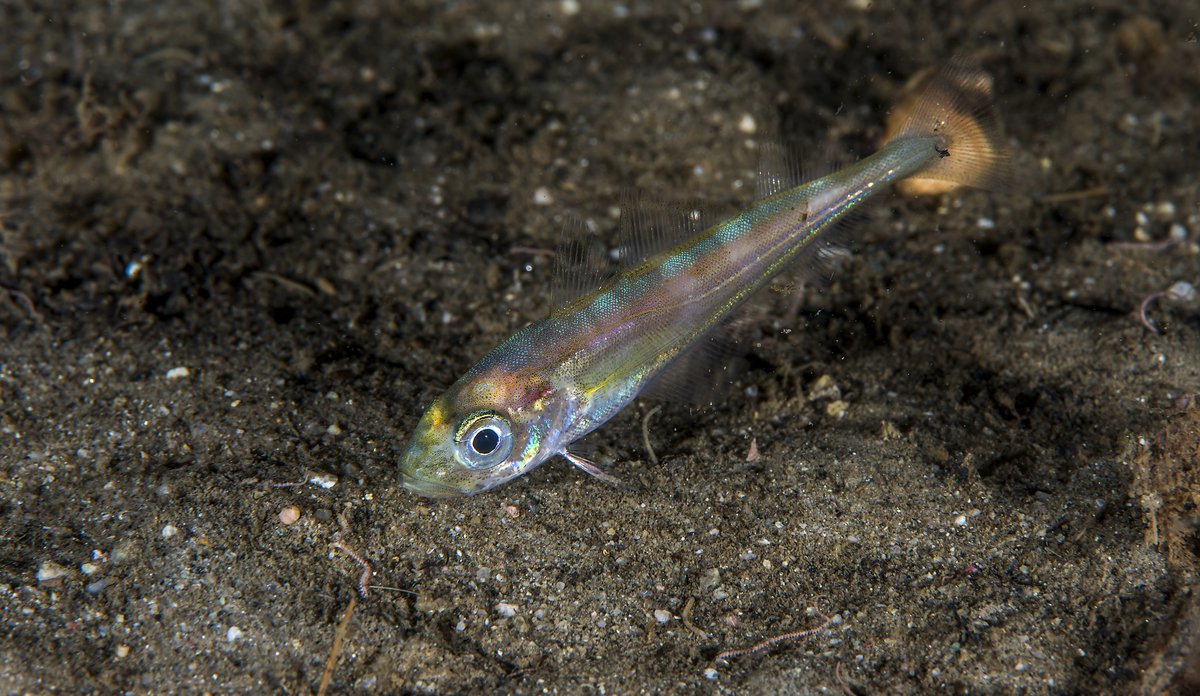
(562, 377)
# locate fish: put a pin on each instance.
(557, 379)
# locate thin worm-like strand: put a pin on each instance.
(646, 434)
(336, 649)
(366, 573)
(724, 655)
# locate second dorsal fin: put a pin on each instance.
(649, 227)
(580, 263)
(778, 170)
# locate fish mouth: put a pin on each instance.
(423, 472)
(428, 488)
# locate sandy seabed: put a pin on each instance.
(246, 243)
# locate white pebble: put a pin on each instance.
(747, 124)
(50, 571)
(169, 531)
(986, 223)
(506, 610)
(122, 651)
(710, 674)
(961, 520)
(570, 8)
(1182, 291)
(178, 373)
(662, 616)
(233, 634)
(325, 481)
(542, 196)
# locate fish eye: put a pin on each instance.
(484, 440)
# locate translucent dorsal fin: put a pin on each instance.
(778, 170)
(580, 263)
(648, 227)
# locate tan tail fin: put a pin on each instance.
(954, 103)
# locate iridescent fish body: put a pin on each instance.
(562, 377)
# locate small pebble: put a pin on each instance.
(961, 520)
(51, 572)
(178, 373)
(824, 388)
(506, 610)
(710, 674)
(326, 287)
(233, 634)
(325, 481)
(662, 616)
(122, 651)
(289, 515)
(169, 531)
(747, 124)
(1182, 291)
(542, 196)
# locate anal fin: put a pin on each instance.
(704, 373)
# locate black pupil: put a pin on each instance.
(486, 441)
